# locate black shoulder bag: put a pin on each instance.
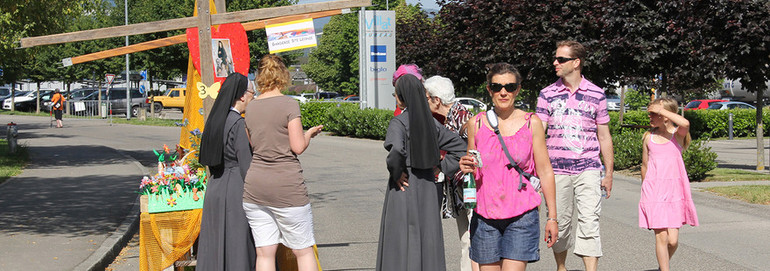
(534, 180)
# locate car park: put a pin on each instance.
(31, 105)
(472, 104)
(24, 96)
(700, 104)
(731, 105)
(117, 100)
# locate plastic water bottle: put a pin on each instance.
(469, 191)
(604, 190)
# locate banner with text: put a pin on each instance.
(289, 36)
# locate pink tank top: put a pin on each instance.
(497, 193)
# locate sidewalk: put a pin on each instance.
(75, 202)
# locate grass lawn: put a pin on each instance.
(149, 121)
(757, 194)
(715, 175)
(11, 164)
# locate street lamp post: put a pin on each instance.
(128, 74)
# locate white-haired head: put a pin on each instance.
(441, 87)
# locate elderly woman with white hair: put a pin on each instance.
(441, 100)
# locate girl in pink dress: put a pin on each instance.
(666, 203)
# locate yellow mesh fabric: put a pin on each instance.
(165, 237)
(192, 117)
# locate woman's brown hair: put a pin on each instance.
(273, 74)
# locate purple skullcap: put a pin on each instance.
(407, 69)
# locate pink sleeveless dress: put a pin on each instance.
(666, 200)
(497, 194)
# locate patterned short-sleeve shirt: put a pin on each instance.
(572, 119)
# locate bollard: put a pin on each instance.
(730, 126)
(12, 133)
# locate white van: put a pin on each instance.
(734, 91)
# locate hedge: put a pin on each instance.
(346, 119)
(705, 123)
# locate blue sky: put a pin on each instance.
(319, 23)
(426, 4)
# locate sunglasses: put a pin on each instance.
(497, 87)
(562, 59)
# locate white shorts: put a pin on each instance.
(290, 226)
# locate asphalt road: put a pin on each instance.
(346, 180)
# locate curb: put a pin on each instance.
(118, 239)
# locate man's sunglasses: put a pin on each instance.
(497, 87)
(562, 59)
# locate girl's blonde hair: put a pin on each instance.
(272, 73)
(672, 106)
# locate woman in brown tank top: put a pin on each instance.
(275, 197)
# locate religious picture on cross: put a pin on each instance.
(223, 57)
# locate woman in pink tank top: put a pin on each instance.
(505, 224)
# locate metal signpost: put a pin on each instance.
(109, 78)
(377, 51)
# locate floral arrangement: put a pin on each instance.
(177, 176)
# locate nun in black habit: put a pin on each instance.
(225, 241)
(411, 236)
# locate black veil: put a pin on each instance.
(212, 141)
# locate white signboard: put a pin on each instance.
(289, 36)
(378, 54)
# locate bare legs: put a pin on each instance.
(590, 263)
(504, 265)
(666, 243)
(305, 258)
(266, 258)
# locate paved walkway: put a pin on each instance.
(74, 203)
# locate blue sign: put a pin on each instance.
(378, 53)
(141, 89)
(143, 74)
(1, 72)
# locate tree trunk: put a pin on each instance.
(760, 139)
(37, 105)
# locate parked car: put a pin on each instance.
(173, 98)
(472, 104)
(300, 99)
(613, 103)
(31, 105)
(117, 99)
(17, 94)
(700, 104)
(26, 96)
(731, 105)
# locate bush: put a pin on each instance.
(346, 119)
(699, 159)
(627, 145)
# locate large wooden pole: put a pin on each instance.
(204, 43)
(184, 23)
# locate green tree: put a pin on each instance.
(333, 65)
(28, 18)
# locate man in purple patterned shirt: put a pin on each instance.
(574, 112)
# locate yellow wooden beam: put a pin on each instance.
(154, 44)
(183, 23)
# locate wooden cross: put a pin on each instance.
(203, 21)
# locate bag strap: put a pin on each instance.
(492, 119)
